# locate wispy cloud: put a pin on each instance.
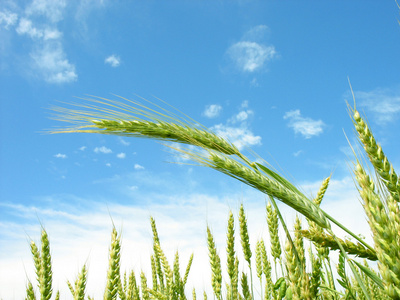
(26, 27)
(8, 18)
(250, 54)
(52, 63)
(102, 149)
(138, 167)
(123, 142)
(113, 60)
(212, 111)
(52, 9)
(60, 155)
(38, 23)
(307, 127)
(383, 103)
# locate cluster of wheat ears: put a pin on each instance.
(297, 272)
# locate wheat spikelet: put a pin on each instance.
(327, 241)
(47, 274)
(188, 269)
(80, 285)
(344, 281)
(153, 272)
(177, 283)
(315, 280)
(157, 258)
(215, 262)
(230, 246)
(244, 235)
(266, 185)
(133, 290)
(42, 261)
(259, 265)
(266, 268)
(113, 273)
(204, 295)
(293, 270)
(194, 294)
(378, 159)
(30, 293)
(145, 289)
(384, 234)
(245, 287)
(273, 227)
(169, 276)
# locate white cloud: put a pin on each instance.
(121, 155)
(250, 56)
(102, 149)
(8, 18)
(108, 164)
(297, 153)
(138, 167)
(251, 53)
(305, 126)
(25, 26)
(256, 34)
(240, 137)
(113, 61)
(51, 62)
(383, 103)
(59, 155)
(51, 9)
(241, 116)
(123, 142)
(48, 60)
(212, 111)
(83, 148)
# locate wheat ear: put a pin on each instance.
(378, 159)
(157, 259)
(245, 287)
(80, 285)
(30, 293)
(189, 265)
(259, 181)
(215, 262)
(113, 273)
(294, 271)
(327, 241)
(145, 289)
(42, 260)
(130, 118)
(384, 234)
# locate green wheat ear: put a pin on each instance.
(215, 262)
(42, 261)
(78, 292)
(113, 274)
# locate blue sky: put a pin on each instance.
(269, 75)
